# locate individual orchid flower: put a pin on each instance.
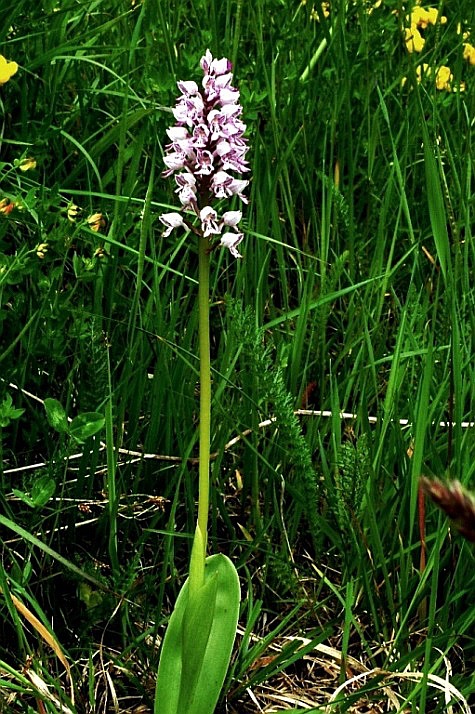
(231, 241)
(231, 218)
(175, 161)
(171, 221)
(209, 223)
(207, 152)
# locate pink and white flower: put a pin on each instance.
(207, 151)
(209, 224)
(171, 221)
(231, 218)
(231, 241)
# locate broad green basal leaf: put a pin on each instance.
(198, 642)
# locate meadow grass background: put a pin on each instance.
(355, 294)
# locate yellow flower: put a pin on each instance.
(413, 39)
(27, 164)
(443, 78)
(6, 206)
(469, 52)
(96, 222)
(422, 18)
(7, 69)
(325, 11)
(100, 252)
(373, 6)
(419, 20)
(422, 70)
(73, 212)
(433, 17)
(418, 17)
(41, 250)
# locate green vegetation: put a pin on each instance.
(355, 295)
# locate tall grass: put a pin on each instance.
(355, 295)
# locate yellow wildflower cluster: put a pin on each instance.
(314, 13)
(418, 20)
(443, 77)
(41, 250)
(95, 221)
(73, 212)
(325, 8)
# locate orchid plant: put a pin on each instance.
(206, 156)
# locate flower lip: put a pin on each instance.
(209, 224)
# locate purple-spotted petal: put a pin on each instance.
(188, 198)
(204, 163)
(189, 89)
(219, 67)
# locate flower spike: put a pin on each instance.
(207, 152)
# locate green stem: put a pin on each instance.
(198, 558)
(111, 479)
